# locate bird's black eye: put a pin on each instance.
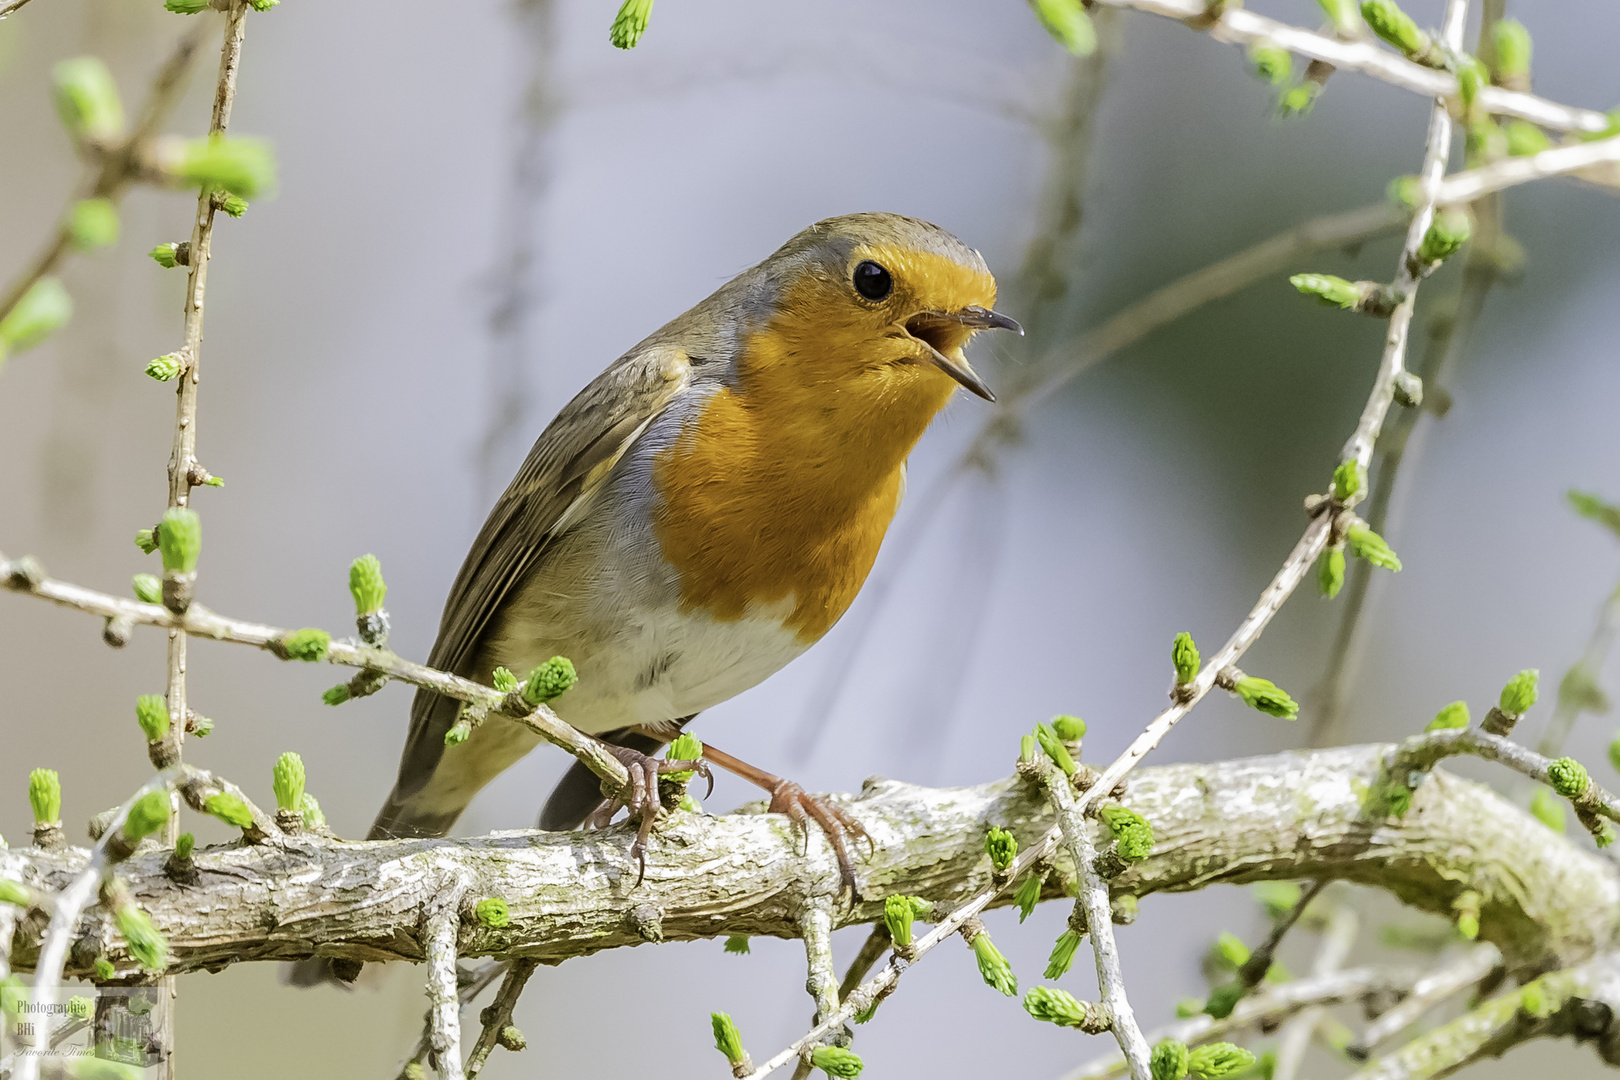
(872, 281)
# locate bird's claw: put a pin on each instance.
(642, 798)
(836, 823)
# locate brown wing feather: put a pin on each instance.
(565, 463)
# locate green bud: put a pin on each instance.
(152, 713)
(1069, 728)
(1512, 42)
(366, 585)
(504, 680)
(1471, 78)
(311, 813)
(1342, 13)
(244, 166)
(1349, 479)
(337, 695)
(183, 846)
(309, 644)
(1132, 834)
(1519, 695)
(1223, 999)
(1184, 657)
(1403, 191)
(686, 747)
(1485, 141)
(1299, 100)
(234, 205)
(1614, 753)
(1568, 777)
(836, 1061)
(1454, 715)
(180, 539)
(1272, 62)
(1028, 895)
(1398, 799)
(1467, 908)
(1228, 953)
(163, 255)
(727, 1039)
(492, 912)
(510, 1037)
(1062, 957)
(1054, 748)
(45, 796)
(148, 589)
(104, 969)
(1396, 27)
(1189, 1007)
(1525, 138)
(1366, 544)
(149, 814)
(1278, 897)
(44, 308)
(461, 730)
(165, 367)
(1168, 1060)
(549, 681)
(1068, 23)
(898, 914)
(1606, 837)
(1329, 289)
(1447, 234)
(145, 541)
(15, 893)
(1535, 1000)
(288, 781)
(1268, 697)
(1001, 846)
(993, 967)
(630, 23)
(92, 223)
(87, 99)
(1027, 749)
(1053, 1006)
(230, 809)
(146, 945)
(1330, 571)
(185, 7)
(261, 6)
(1215, 1060)
(204, 727)
(737, 945)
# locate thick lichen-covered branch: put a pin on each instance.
(1545, 902)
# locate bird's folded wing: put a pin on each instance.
(570, 460)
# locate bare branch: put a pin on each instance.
(1579, 1002)
(498, 1016)
(1467, 186)
(1427, 992)
(1275, 1004)
(444, 1006)
(24, 575)
(1237, 26)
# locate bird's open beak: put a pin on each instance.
(973, 318)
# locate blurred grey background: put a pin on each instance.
(357, 399)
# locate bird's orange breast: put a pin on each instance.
(781, 488)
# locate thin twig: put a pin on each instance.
(1237, 26)
(1276, 1003)
(1572, 702)
(439, 943)
(70, 903)
(7, 9)
(1343, 925)
(1092, 901)
(497, 1017)
(1427, 992)
(1254, 969)
(117, 167)
(1465, 187)
(198, 621)
(1422, 751)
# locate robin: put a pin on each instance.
(702, 513)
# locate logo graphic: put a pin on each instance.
(119, 1025)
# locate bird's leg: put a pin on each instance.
(641, 798)
(789, 798)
